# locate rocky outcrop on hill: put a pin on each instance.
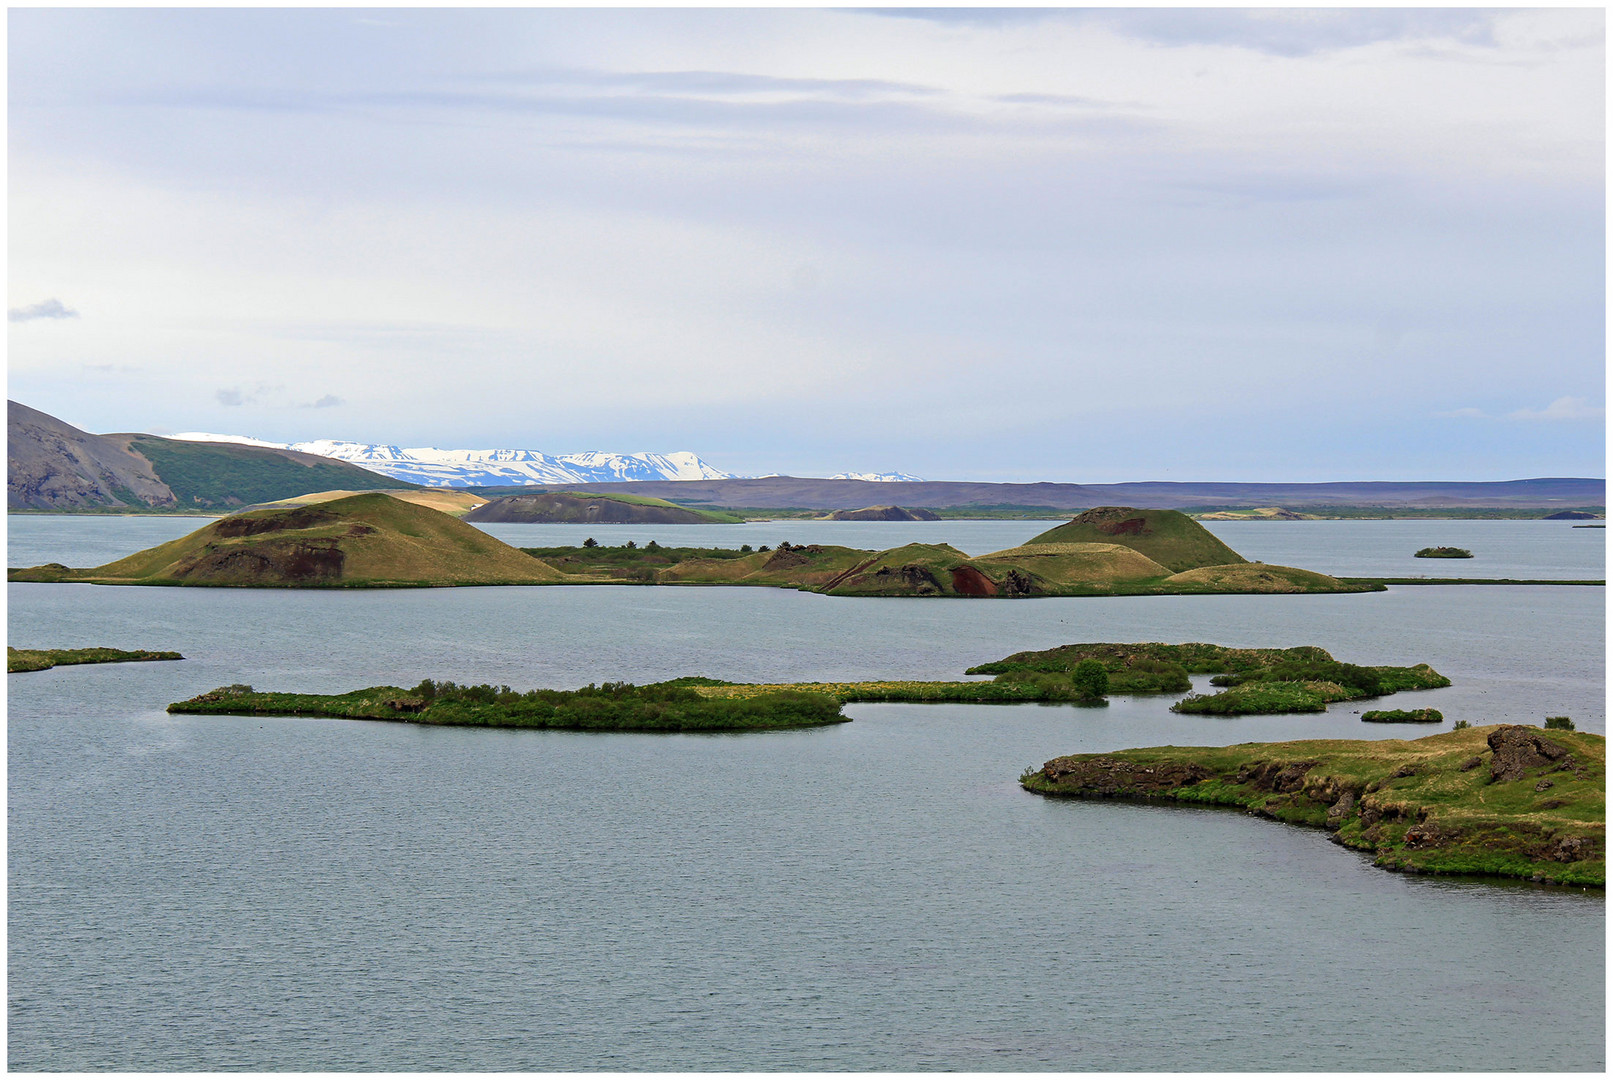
(52, 465)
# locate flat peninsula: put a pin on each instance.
(45, 659)
(1504, 800)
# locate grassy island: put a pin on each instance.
(42, 659)
(659, 707)
(1403, 716)
(376, 541)
(1300, 679)
(1502, 800)
(1442, 553)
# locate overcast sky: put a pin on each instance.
(1075, 246)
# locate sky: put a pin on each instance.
(1016, 245)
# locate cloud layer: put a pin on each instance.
(1284, 244)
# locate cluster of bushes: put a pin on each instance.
(1364, 681)
(1443, 553)
(1403, 716)
(1256, 697)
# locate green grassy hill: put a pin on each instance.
(222, 475)
(1168, 537)
(363, 540)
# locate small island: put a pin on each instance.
(1403, 716)
(1443, 553)
(44, 659)
(1501, 800)
(659, 707)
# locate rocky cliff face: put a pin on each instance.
(52, 465)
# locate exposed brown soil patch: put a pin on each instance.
(971, 582)
(306, 517)
(271, 562)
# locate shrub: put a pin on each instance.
(590, 542)
(745, 548)
(1090, 679)
(1559, 723)
(1460, 724)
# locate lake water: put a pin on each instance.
(218, 893)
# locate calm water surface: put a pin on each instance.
(218, 893)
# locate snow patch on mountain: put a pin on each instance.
(489, 468)
(879, 477)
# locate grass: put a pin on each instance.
(43, 659)
(1304, 678)
(1168, 537)
(1403, 716)
(1044, 689)
(584, 508)
(660, 707)
(204, 475)
(1438, 804)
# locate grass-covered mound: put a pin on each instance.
(43, 659)
(1253, 578)
(1403, 716)
(1168, 537)
(1442, 553)
(1503, 800)
(928, 570)
(364, 540)
(658, 707)
(585, 508)
(1300, 679)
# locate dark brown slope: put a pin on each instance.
(812, 494)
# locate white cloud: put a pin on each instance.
(1564, 408)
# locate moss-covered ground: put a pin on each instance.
(1504, 800)
(41, 659)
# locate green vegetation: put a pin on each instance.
(1500, 800)
(1300, 679)
(1442, 553)
(1171, 539)
(1559, 723)
(1044, 689)
(1403, 716)
(659, 707)
(220, 475)
(41, 659)
(1305, 686)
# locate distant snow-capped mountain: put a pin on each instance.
(490, 468)
(881, 477)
